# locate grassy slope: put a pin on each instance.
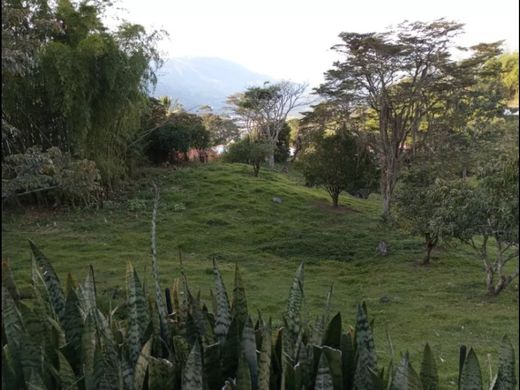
(221, 210)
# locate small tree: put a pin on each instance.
(485, 217)
(417, 206)
(336, 161)
(248, 151)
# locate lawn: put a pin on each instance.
(221, 211)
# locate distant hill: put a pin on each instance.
(196, 81)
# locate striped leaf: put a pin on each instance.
(66, 373)
(52, 282)
(73, 327)
(264, 360)
(192, 372)
(429, 375)
(405, 377)
(12, 322)
(88, 292)
(365, 352)
(471, 376)
(141, 366)
(161, 306)
(506, 377)
(212, 366)
(138, 317)
(332, 336)
(243, 380)
(239, 307)
(231, 350)
(248, 347)
(348, 360)
(294, 305)
(334, 362)
(223, 311)
(88, 349)
(324, 379)
(161, 374)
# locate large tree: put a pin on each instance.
(263, 111)
(397, 78)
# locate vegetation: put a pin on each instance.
(175, 342)
(235, 220)
(249, 151)
(338, 162)
(263, 110)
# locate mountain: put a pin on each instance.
(196, 81)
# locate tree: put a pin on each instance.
(398, 77)
(281, 151)
(86, 89)
(248, 151)
(222, 130)
(509, 62)
(263, 110)
(181, 132)
(336, 161)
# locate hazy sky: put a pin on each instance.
(291, 39)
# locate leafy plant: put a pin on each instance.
(169, 339)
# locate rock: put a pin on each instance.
(385, 299)
(277, 200)
(382, 248)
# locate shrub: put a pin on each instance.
(50, 176)
(248, 151)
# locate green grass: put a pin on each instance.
(222, 211)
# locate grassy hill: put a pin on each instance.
(222, 211)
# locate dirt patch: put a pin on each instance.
(327, 207)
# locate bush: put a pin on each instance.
(247, 151)
(173, 341)
(50, 176)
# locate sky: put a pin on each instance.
(289, 39)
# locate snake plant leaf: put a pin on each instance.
(212, 366)
(161, 374)
(52, 282)
(318, 330)
(365, 352)
(12, 322)
(471, 376)
(88, 292)
(88, 349)
(429, 375)
(294, 305)
(405, 377)
(35, 381)
(141, 367)
(239, 306)
(276, 360)
(348, 361)
(181, 348)
(201, 321)
(332, 336)
(138, 317)
(231, 350)
(324, 379)
(222, 309)
(73, 327)
(8, 281)
(506, 377)
(11, 371)
(264, 360)
(328, 302)
(334, 362)
(243, 380)
(248, 346)
(192, 374)
(67, 377)
(462, 358)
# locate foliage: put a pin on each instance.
(181, 132)
(263, 110)
(248, 151)
(51, 176)
(338, 162)
(85, 348)
(509, 62)
(222, 130)
(85, 92)
(404, 81)
(485, 214)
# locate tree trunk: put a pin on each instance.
(334, 194)
(430, 244)
(270, 159)
(256, 169)
(388, 181)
